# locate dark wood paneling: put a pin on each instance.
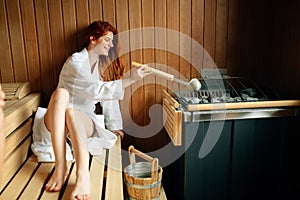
(173, 39)
(45, 50)
(221, 33)
(70, 26)
(284, 70)
(109, 11)
(209, 32)
(31, 44)
(7, 73)
(160, 21)
(185, 45)
(16, 40)
(82, 18)
(197, 21)
(57, 36)
(95, 10)
(148, 55)
(122, 17)
(232, 40)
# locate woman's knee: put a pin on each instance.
(69, 113)
(60, 95)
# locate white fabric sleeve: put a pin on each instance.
(112, 115)
(77, 79)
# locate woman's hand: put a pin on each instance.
(140, 73)
(136, 75)
(119, 132)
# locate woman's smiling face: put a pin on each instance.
(104, 43)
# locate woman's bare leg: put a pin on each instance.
(55, 122)
(80, 127)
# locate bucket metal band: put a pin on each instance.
(155, 198)
(153, 185)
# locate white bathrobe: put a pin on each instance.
(86, 89)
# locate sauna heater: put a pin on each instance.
(233, 135)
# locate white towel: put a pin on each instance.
(42, 143)
(41, 140)
(104, 138)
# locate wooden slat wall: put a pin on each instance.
(285, 49)
(172, 39)
(241, 36)
(31, 44)
(197, 33)
(16, 40)
(7, 74)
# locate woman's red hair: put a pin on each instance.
(115, 67)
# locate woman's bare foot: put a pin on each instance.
(82, 187)
(57, 179)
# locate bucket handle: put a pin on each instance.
(132, 151)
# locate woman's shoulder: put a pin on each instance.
(79, 56)
(76, 61)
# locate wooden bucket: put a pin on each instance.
(142, 179)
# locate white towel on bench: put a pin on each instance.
(42, 143)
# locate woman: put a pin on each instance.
(83, 82)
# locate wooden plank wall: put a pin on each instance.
(37, 36)
(264, 44)
(285, 50)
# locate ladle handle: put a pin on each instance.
(155, 71)
(132, 151)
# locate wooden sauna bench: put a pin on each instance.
(25, 178)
